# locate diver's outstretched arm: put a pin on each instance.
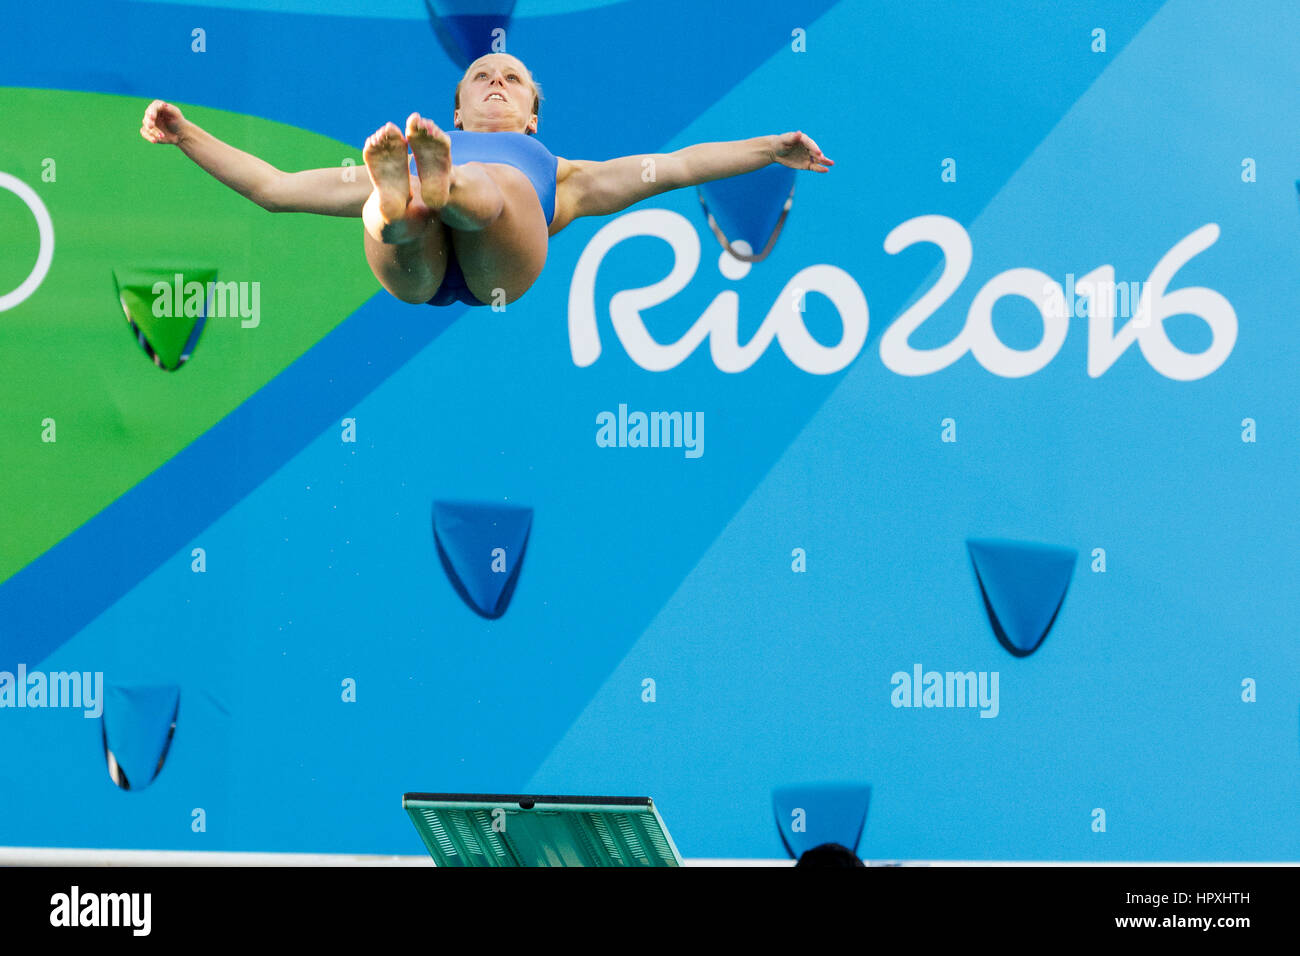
(331, 192)
(600, 189)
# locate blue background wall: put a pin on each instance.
(644, 563)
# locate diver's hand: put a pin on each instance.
(798, 151)
(163, 123)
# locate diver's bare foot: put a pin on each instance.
(385, 156)
(432, 149)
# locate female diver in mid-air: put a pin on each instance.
(473, 225)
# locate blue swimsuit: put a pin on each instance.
(519, 150)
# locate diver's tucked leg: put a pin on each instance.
(465, 197)
(504, 258)
(405, 243)
(411, 268)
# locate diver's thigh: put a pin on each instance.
(510, 252)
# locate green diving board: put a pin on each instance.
(477, 829)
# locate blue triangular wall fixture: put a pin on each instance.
(1023, 585)
(749, 206)
(464, 27)
(137, 729)
(831, 813)
(468, 535)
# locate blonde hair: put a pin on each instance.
(537, 94)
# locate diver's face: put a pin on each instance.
(496, 94)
